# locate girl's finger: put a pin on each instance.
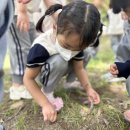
(96, 99)
(25, 27)
(90, 99)
(21, 27)
(113, 69)
(53, 117)
(45, 118)
(18, 24)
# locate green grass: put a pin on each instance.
(21, 124)
(104, 57)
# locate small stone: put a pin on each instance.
(17, 105)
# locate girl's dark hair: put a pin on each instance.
(78, 17)
(118, 5)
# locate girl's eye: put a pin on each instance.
(65, 47)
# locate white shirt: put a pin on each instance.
(115, 23)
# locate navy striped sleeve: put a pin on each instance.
(123, 68)
(79, 56)
(37, 56)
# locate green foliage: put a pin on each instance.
(103, 10)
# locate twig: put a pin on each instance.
(91, 105)
(14, 114)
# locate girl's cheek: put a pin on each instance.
(128, 12)
(129, 15)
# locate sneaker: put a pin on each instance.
(57, 102)
(17, 93)
(73, 85)
(108, 77)
(25, 94)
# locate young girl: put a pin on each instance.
(53, 54)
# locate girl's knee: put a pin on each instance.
(58, 62)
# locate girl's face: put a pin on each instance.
(127, 11)
(70, 42)
(98, 3)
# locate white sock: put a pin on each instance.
(50, 96)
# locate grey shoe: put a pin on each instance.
(73, 85)
(108, 77)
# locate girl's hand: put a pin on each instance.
(114, 69)
(93, 96)
(23, 21)
(124, 16)
(49, 112)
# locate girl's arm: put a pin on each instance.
(48, 110)
(23, 22)
(32, 86)
(83, 78)
(49, 3)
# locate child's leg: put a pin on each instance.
(71, 80)
(123, 51)
(3, 44)
(71, 75)
(19, 45)
(54, 69)
(115, 40)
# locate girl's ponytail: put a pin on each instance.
(51, 10)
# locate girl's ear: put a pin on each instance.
(54, 28)
(54, 31)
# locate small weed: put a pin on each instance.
(21, 124)
(9, 112)
(35, 107)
